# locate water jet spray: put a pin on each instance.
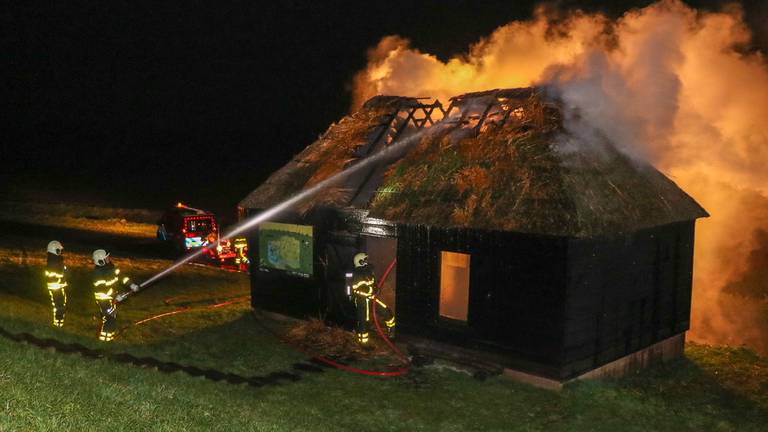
(252, 222)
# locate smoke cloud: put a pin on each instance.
(669, 84)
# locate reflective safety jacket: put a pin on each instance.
(106, 280)
(363, 282)
(54, 272)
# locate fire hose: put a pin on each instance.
(188, 309)
(401, 370)
(402, 357)
(384, 337)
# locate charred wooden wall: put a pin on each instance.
(549, 305)
(626, 293)
(516, 292)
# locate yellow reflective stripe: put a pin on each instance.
(381, 303)
(53, 274)
(125, 279)
(368, 285)
(105, 282)
(367, 310)
(104, 295)
(117, 272)
(56, 285)
(363, 282)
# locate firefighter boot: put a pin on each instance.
(391, 328)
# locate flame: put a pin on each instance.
(666, 83)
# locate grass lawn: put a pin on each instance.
(718, 389)
(132, 222)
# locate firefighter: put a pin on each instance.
(241, 257)
(56, 281)
(364, 292)
(106, 279)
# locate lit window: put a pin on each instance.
(454, 285)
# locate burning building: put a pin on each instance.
(511, 244)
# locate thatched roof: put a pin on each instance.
(497, 162)
(334, 150)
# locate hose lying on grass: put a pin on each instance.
(338, 365)
(188, 309)
(213, 374)
(317, 358)
(274, 378)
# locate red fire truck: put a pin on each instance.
(188, 228)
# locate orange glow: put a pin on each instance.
(666, 83)
(454, 285)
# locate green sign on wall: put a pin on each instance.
(286, 247)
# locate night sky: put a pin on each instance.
(146, 103)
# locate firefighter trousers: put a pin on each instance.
(59, 303)
(364, 317)
(108, 310)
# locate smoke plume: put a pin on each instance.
(669, 84)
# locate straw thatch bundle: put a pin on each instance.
(333, 342)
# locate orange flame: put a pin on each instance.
(666, 83)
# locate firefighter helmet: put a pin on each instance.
(100, 257)
(361, 259)
(55, 247)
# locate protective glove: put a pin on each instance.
(122, 296)
(134, 287)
